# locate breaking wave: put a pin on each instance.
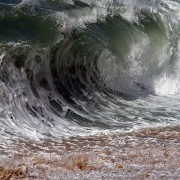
(72, 67)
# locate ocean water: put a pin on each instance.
(77, 67)
(73, 68)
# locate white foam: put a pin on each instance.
(1, 57)
(78, 18)
(167, 85)
(28, 2)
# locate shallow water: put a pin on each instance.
(143, 154)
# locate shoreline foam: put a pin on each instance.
(144, 154)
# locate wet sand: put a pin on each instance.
(143, 154)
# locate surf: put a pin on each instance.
(77, 67)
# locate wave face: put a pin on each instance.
(72, 67)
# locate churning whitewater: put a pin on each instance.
(70, 67)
